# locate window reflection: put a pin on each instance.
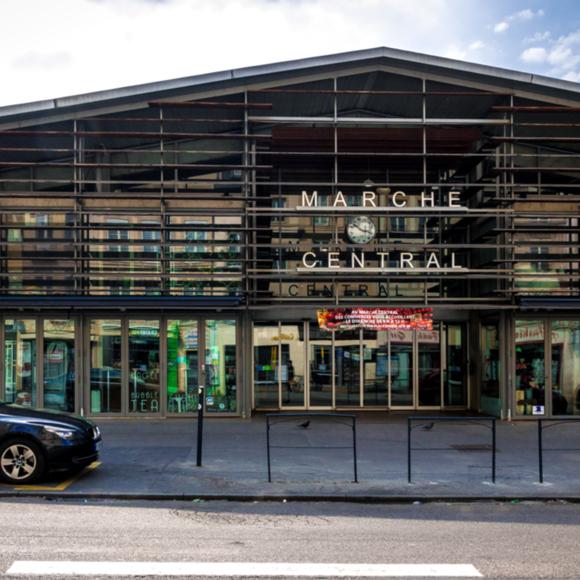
(20, 381)
(266, 349)
(220, 366)
(490, 369)
(292, 364)
(144, 366)
(530, 375)
(106, 370)
(59, 365)
(182, 366)
(566, 367)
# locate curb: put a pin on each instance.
(346, 498)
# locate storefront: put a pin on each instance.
(192, 232)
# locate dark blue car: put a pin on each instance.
(33, 442)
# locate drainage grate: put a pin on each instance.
(476, 448)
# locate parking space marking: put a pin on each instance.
(61, 486)
(253, 569)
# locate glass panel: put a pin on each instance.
(375, 356)
(401, 367)
(182, 366)
(144, 366)
(320, 367)
(566, 367)
(429, 367)
(292, 368)
(220, 366)
(455, 386)
(530, 374)
(347, 361)
(266, 349)
(59, 365)
(106, 368)
(490, 368)
(20, 362)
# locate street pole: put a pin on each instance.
(200, 401)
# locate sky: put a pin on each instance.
(54, 48)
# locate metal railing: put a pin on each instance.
(347, 420)
(555, 422)
(427, 424)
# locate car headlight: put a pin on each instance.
(61, 432)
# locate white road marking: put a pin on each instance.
(224, 569)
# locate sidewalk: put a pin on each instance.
(157, 459)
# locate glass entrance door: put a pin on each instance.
(183, 370)
(428, 349)
(401, 368)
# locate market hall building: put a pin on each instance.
(213, 229)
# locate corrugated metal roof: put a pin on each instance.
(390, 56)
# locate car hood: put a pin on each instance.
(45, 416)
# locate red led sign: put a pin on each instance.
(376, 318)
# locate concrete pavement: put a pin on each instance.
(157, 459)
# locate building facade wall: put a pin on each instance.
(198, 221)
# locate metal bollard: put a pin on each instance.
(200, 403)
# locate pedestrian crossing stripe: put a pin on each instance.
(241, 569)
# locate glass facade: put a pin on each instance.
(132, 366)
(361, 369)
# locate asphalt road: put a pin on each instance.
(521, 540)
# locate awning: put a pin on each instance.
(120, 302)
(549, 303)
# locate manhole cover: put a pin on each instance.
(482, 447)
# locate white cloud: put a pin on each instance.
(455, 53)
(562, 54)
(115, 43)
(527, 14)
(536, 54)
(538, 37)
(478, 44)
(573, 76)
(522, 15)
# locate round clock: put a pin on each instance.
(360, 230)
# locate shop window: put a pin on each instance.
(144, 366)
(106, 369)
(490, 401)
(530, 371)
(182, 366)
(20, 380)
(221, 366)
(59, 365)
(565, 367)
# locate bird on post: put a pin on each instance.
(304, 425)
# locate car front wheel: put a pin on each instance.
(20, 462)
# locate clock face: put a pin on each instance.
(360, 230)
